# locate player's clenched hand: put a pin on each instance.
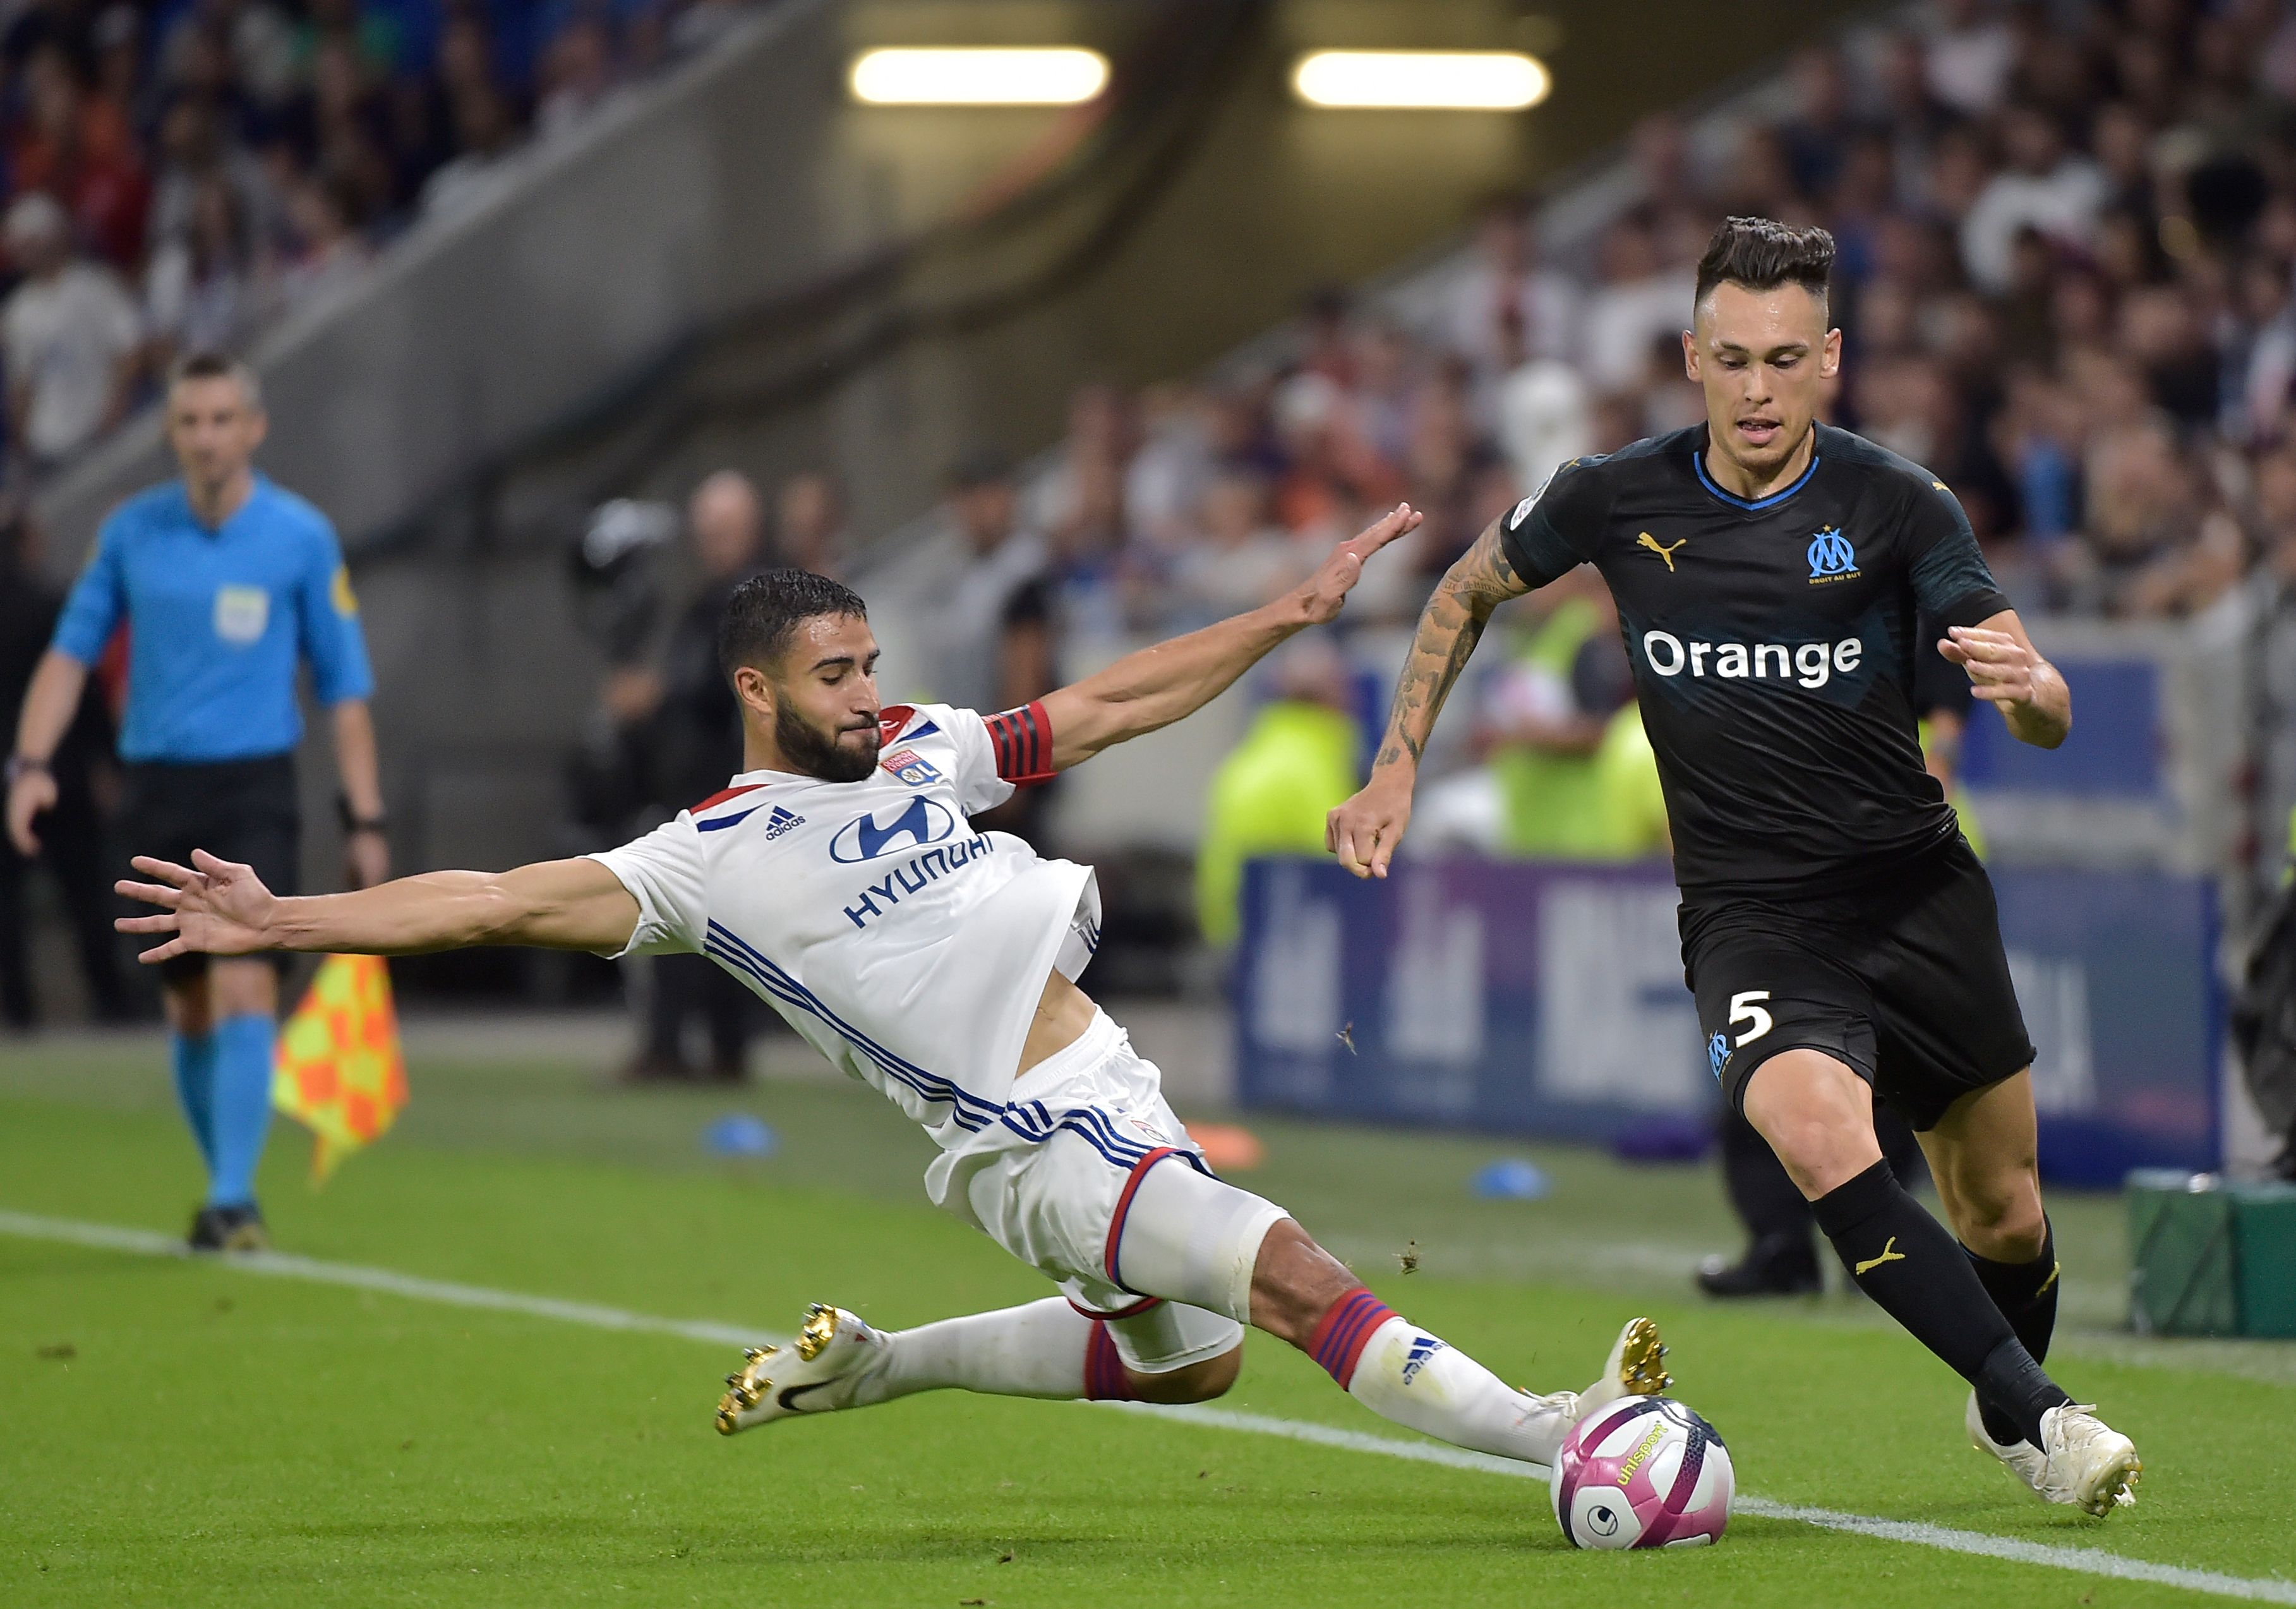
(1364, 832)
(211, 908)
(2000, 667)
(1320, 595)
(34, 792)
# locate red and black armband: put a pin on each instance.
(1022, 739)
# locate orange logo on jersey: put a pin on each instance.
(1651, 542)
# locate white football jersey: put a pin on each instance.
(908, 948)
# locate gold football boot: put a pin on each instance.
(815, 1374)
(1635, 1367)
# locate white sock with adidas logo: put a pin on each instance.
(1412, 1377)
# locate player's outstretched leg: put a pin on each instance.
(1217, 1256)
(1819, 1116)
(1308, 1297)
(1047, 1349)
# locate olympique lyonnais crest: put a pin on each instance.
(911, 767)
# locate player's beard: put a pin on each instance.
(817, 753)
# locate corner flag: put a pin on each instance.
(338, 1070)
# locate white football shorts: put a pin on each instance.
(1091, 1179)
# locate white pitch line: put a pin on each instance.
(2084, 1560)
(281, 1265)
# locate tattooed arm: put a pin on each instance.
(1364, 831)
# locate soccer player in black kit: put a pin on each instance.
(1839, 937)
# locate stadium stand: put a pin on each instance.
(184, 173)
(2067, 239)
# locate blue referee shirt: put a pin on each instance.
(217, 621)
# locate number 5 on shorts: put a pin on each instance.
(1743, 1009)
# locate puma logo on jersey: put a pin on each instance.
(1890, 1253)
(1651, 542)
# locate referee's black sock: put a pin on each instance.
(2026, 1292)
(1911, 1264)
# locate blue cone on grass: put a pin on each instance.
(1510, 1178)
(738, 1133)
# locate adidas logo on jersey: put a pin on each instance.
(781, 821)
(1812, 664)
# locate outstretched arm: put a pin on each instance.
(1159, 685)
(2004, 668)
(1364, 831)
(218, 909)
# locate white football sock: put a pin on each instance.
(1036, 1351)
(1407, 1376)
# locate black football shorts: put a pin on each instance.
(235, 809)
(1905, 980)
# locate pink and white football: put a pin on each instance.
(1645, 1472)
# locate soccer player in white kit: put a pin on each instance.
(839, 877)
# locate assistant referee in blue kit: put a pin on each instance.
(226, 582)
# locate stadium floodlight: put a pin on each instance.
(1428, 80)
(979, 75)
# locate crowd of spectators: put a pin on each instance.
(179, 174)
(2067, 235)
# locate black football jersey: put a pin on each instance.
(1775, 646)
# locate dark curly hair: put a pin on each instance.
(766, 610)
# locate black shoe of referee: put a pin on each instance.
(229, 1230)
(1777, 1265)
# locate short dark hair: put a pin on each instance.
(766, 610)
(216, 365)
(1761, 254)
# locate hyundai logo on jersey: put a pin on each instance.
(911, 767)
(1830, 555)
(921, 822)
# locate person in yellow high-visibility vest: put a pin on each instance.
(1270, 795)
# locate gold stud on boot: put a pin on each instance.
(818, 1330)
(1642, 1360)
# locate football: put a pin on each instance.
(1643, 1472)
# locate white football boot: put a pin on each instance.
(815, 1373)
(1635, 1367)
(2020, 1458)
(2087, 1463)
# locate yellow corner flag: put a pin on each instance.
(338, 1070)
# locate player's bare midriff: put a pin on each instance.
(1063, 1012)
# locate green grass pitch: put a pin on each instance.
(179, 1433)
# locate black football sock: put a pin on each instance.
(2026, 1292)
(1917, 1273)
